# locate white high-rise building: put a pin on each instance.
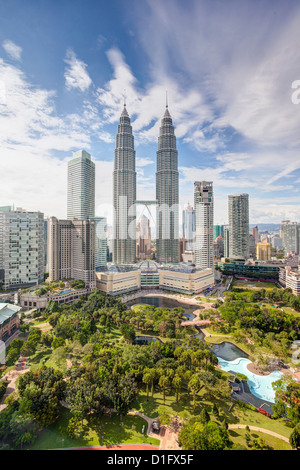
(189, 227)
(124, 194)
(204, 209)
(21, 248)
(81, 186)
(238, 215)
(291, 237)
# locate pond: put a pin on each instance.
(163, 302)
(228, 351)
(230, 357)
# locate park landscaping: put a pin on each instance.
(89, 362)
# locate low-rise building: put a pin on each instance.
(150, 275)
(290, 279)
(249, 268)
(9, 320)
(32, 300)
(118, 281)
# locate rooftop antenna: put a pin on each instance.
(124, 97)
(166, 99)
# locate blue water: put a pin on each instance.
(260, 385)
(65, 292)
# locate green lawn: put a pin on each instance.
(238, 437)
(108, 430)
(236, 415)
(253, 284)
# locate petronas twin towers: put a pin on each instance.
(124, 194)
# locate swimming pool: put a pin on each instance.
(65, 292)
(260, 385)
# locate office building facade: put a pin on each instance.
(81, 186)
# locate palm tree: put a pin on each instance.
(164, 382)
(147, 379)
(177, 382)
(194, 386)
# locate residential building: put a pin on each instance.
(167, 193)
(124, 194)
(218, 247)
(238, 214)
(21, 248)
(255, 233)
(72, 250)
(291, 236)
(204, 208)
(277, 242)
(290, 279)
(252, 246)
(263, 251)
(226, 240)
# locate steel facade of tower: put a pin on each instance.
(167, 194)
(81, 186)
(124, 194)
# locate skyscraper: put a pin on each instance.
(124, 193)
(167, 193)
(238, 215)
(81, 186)
(291, 237)
(226, 240)
(204, 207)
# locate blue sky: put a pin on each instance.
(228, 68)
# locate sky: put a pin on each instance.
(231, 71)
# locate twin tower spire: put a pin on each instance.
(124, 193)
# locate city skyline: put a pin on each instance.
(234, 118)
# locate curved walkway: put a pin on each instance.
(258, 429)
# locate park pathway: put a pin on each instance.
(258, 429)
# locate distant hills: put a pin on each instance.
(266, 227)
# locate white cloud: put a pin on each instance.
(76, 75)
(146, 106)
(12, 49)
(31, 132)
(144, 161)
